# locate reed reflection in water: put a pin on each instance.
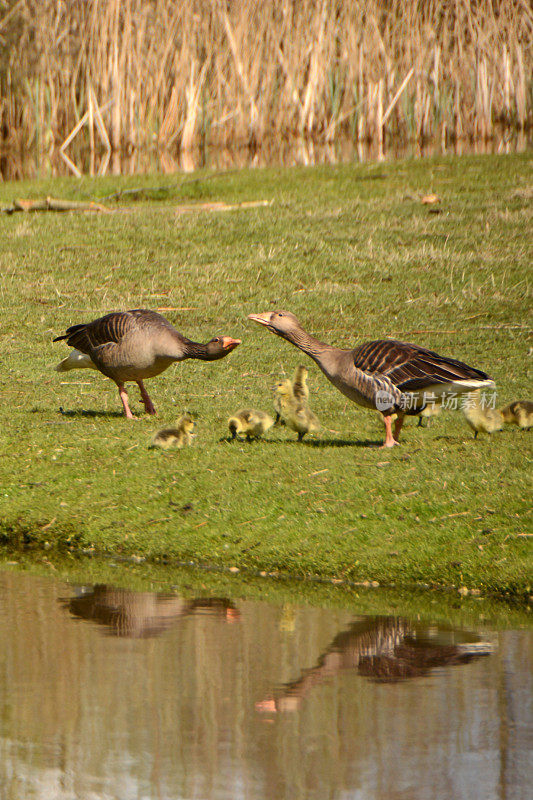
(22, 165)
(168, 702)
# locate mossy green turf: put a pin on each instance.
(353, 252)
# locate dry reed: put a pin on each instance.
(178, 73)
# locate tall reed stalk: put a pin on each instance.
(177, 72)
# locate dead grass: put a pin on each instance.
(179, 73)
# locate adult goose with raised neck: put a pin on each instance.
(135, 345)
(387, 375)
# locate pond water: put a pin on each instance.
(80, 160)
(108, 693)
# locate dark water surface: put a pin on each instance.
(80, 160)
(107, 693)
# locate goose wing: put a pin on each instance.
(110, 329)
(410, 367)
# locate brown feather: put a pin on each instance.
(135, 345)
(383, 374)
(411, 367)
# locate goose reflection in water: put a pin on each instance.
(384, 649)
(140, 615)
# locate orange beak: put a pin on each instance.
(262, 319)
(230, 344)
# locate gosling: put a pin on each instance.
(296, 415)
(482, 419)
(250, 423)
(283, 394)
(179, 436)
(431, 410)
(519, 413)
(300, 388)
(284, 389)
(302, 420)
(283, 400)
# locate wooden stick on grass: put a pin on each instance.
(54, 204)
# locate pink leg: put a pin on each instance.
(148, 405)
(124, 397)
(397, 427)
(390, 441)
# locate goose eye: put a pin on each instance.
(280, 315)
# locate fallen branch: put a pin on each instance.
(53, 204)
(219, 206)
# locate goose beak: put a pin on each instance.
(230, 344)
(262, 319)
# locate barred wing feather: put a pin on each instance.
(410, 367)
(110, 329)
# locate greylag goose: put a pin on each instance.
(519, 413)
(179, 436)
(135, 345)
(424, 416)
(294, 413)
(481, 418)
(250, 423)
(387, 375)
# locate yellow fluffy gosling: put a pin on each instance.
(282, 395)
(283, 399)
(519, 413)
(431, 410)
(250, 423)
(296, 415)
(302, 420)
(300, 388)
(179, 436)
(486, 420)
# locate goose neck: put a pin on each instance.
(312, 347)
(196, 350)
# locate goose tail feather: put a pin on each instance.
(76, 360)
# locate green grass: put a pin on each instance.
(352, 252)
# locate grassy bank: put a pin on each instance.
(353, 252)
(445, 607)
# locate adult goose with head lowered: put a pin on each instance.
(390, 376)
(135, 345)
